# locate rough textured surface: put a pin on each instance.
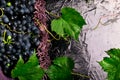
(102, 33)
(76, 50)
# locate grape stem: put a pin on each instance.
(81, 75)
(6, 25)
(9, 40)
(1, 12)
(40, 24)
(52, 14)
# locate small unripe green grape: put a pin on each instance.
(8, 64)
(9, 37)
(9, 4)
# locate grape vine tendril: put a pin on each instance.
(1, 10)
(43, 26)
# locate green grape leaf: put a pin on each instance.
(112, 64)
(69, 24)
(61, 69)
(29, 70)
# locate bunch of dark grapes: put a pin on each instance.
(18, 33)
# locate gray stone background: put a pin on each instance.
(101, 33)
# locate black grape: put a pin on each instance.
(20, 27)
